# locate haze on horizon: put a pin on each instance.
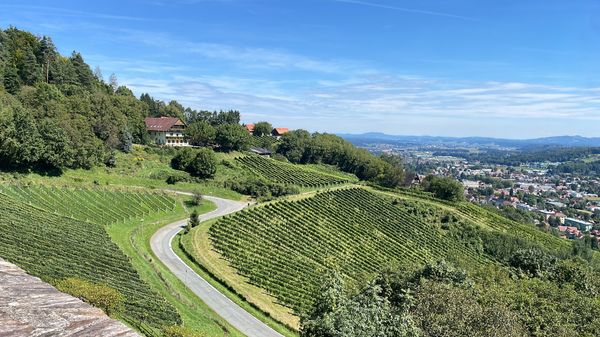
(510, 69)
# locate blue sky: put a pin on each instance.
(513, 69)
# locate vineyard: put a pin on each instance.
(282, 246)
(54, 247)
(92, 205)
(289, 174)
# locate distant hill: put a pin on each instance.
(377, 137)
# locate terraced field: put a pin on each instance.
(100, 206)
(40, 239)
(282, 246)
(290, 174)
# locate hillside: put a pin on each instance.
(284, 247)
(55, 247)
(289, 174)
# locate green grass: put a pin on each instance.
(183, 253)
(141, 168)
(134, 239)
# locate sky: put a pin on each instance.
(498, 68)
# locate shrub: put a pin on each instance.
(179, 331)
(196, 199)
(201, 163)
(194, 219)
(204, 164)
(99, 295)
(444, 188)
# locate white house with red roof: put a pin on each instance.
(167, 131)
(278, 132)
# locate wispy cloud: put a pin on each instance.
(407, 10)
(56, 11)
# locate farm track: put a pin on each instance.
(221, 304)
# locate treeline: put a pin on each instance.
(515, 158)
(580, 167)
(300, 146)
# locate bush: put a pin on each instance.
(204, 164)
(194, 219)
(182, 160)
(196, 199)
(444, 188)
(533, 262)
(179, 331)
(172, 179)
(99, 295)
(200, 163)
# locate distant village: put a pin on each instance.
(564, 205)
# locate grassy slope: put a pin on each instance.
(134, 239)
(247, 302)
(201, 248)
(138, 168)
(55, 247)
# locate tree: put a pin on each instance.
(46, 54)
(85, 76)
(113, 82)
(443, 188)
(11, 80)
(194, 219)
(204, 164)
(262, 129)
(182, 160)
(98, 74)
(232, 137)
(29, 70)
(201, 133)
(197, 199)
(294, 144)
(126, 141)
(367, 314)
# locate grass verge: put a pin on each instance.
(134, 239)
(196, 250)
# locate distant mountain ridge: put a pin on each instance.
(378, 137)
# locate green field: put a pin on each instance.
(54, 247)
(283, 246)
(144, 167)
(290, 174)
(97, 205)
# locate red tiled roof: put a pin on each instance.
(250, 127)
(280, 131)
(162, 123)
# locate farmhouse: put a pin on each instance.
(250, 128)
(167, 131)
(278, 132)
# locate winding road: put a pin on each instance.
(223, 306)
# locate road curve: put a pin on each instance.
(223, 306)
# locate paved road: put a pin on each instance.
(223, 306)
